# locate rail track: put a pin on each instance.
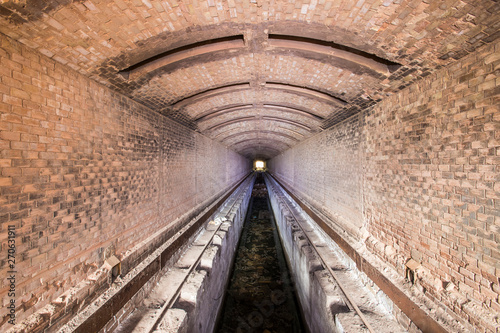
(347, 293)
(148, 318)
(233, 202)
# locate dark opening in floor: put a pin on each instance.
(260, 296)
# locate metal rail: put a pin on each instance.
(112, 305)
(174, 297)
(419, 317)
(349, 299)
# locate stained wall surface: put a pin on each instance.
(86, 173)
(421, 175)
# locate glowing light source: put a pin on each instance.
(259, 165)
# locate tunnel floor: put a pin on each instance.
(260, 296)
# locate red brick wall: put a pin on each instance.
(326, 171)
(83, 170)
(431, 184)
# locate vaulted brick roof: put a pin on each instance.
(258, 76)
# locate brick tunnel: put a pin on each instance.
(129, 130)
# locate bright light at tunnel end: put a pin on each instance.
(259, 165)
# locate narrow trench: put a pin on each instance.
(260, 296)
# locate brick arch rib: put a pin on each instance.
(259, 131)
(252, 118)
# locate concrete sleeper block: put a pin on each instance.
(314, 265)
(312, 258)
(337, 304)
(174, 320)
(217, 240)
(300, 239)
(349, 322)
(333, 297)
(208, 258)
(225, 226)
(190, 291)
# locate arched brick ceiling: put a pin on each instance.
(258, 76)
